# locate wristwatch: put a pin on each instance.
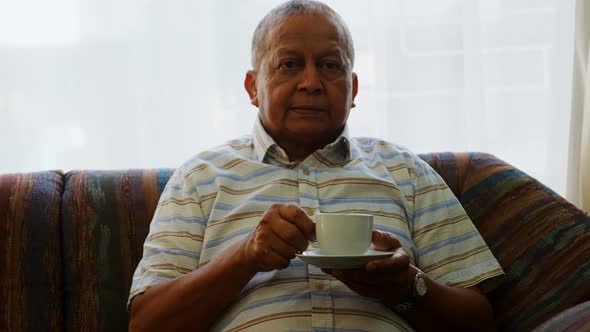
(419, 289)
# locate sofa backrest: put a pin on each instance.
(30, 260)
(105, 220)
(70, 243)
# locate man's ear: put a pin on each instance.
(355, 88)
(250, 85)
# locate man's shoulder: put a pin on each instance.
(370, 146)
(235, 149)
(394, 156)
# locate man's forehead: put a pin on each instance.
(285, 38)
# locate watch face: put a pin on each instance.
(421, 287)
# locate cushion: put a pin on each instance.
(573, 319)
(30, 262)
(541, 240)
(106, 217)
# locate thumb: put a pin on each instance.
(385, 241)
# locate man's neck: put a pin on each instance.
(300, 146)
(301, 149)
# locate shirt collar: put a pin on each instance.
(263, 143)
(264, 146)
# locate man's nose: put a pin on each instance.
(311, 81)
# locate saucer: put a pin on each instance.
(314, 257)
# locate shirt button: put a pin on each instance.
(305, 171)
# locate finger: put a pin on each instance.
(283, 248)
(281, 227)
(270, 216)
(364, 290)
(398, 262)
(384, 241)
(290, 234)
(295, 215)
(377, 272)
(262, 254)
(275, 260)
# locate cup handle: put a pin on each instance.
(313, 244)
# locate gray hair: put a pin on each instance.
(294, 8)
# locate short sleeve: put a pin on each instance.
(449, 247)
(173, 245)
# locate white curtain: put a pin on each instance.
(102, 84)
(579, 155)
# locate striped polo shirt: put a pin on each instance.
(217, 198)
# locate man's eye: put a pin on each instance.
(332, 66)
(288, 64)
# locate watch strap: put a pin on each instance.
(419, 279)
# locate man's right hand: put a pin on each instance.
(283, 231)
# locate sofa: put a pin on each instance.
(70, 243)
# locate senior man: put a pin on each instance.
(220, 254)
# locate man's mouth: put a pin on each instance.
(307, 109)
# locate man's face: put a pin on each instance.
(304, 86)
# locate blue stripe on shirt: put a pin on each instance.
(176, 252)
(216, 242)
(436, 206)
(240, 178)
(448, 242)
(179, 217)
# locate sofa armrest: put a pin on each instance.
(540, 239)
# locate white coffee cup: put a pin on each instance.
(343, 234)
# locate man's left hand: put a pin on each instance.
(388, 279)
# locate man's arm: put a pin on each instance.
(442, 308)
(196, 300)
(452, 308)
